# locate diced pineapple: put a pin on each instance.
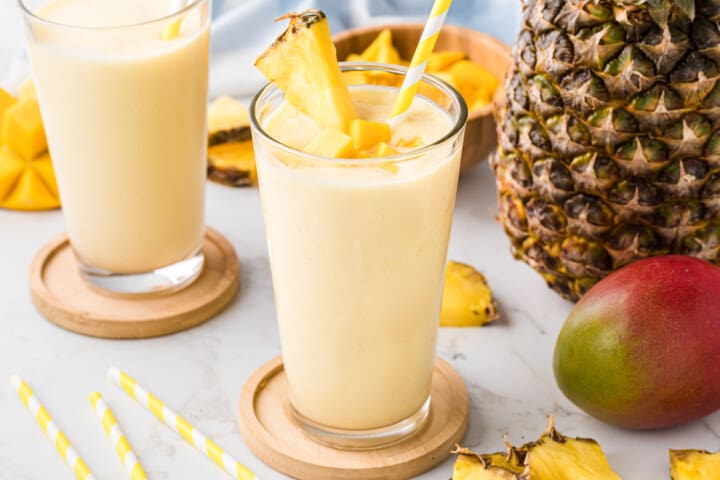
(331, 143)
(440, 61)
(303, 63)
(384, 150)
(388, 54)
(414, 142)
(467, 299)
(23, 129)
(366, 134)
(27, 90)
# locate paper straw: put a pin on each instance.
(117, 437)
(53, 433)
(181, 426)
(429, 37)
(172, 29)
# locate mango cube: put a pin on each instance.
(366, 134)
(23, 129)
(385, 150)
(414, 142)
(31, 193)
(331, 143)
(11, 166)
(44, 167)
(440, 61)
(6, 101)
(468, 76)
(27, 90)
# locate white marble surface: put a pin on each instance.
(507, 366)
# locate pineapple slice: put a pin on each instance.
(228, 120)
(467, 299)
(552, 457)
(694, 465)
(233, 163)
(303, 63)
(366, 134)
(331, 143)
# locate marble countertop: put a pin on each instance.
(507, 366)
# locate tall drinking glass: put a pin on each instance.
(357, 250)
(124, 107)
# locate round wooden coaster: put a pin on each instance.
(278, 441)
(62, 296)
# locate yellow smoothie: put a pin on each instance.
(124, 112)
(357, 252)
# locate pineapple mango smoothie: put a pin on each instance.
(125, 112)
(357, 253)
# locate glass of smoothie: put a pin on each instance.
(122, 87)
(357, 251)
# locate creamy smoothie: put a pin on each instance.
(357, 250)
(124, 112)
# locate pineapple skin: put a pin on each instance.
(694, 465)
(609, 137)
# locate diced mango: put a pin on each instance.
(27, 90)
(354, 57)
(388, 54)
(331, 143)
(23, 129)
(414, 142)
(383, 149)
(44, 167)
(468, 76)
(371, 53)
(30, 193)
(11, 166)
(440, 61)
(366, 134)
(6, 101)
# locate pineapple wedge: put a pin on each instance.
(552, 457)
(694, 465)
(467, 299)
(303, 63)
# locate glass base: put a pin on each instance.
(363, 439)
(160, 281)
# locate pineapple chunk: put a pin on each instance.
(354, 57)
(467, 299)
(414, 142)
(27, 90)
(468, 77)
(384, 150)
(232, 164)
(440, 61)
(694, 465)
(6, 101)
(372, 52)
(331, 143)
(388, 54)
(11, 166)
(366, 134)
(303, 63)
(494, 466)
(23, 129)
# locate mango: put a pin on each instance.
(641, 349)
(23, 129)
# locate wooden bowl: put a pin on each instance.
(491, 53)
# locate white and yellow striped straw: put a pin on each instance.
(425, 47)
(117, 437)
(181, 426)
(53, 433)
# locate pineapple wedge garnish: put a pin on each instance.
(552, 457)
(303, 63)
(694, 465)
(467, 298)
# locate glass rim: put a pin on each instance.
(445, 87)
(166, 18)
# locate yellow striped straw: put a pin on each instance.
(425, 47)
(117, 437)
(172, 29)
(181, 426)
(53, 433)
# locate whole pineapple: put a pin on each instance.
(610, 136)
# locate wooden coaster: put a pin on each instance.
(62, 296)
(277, 440)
